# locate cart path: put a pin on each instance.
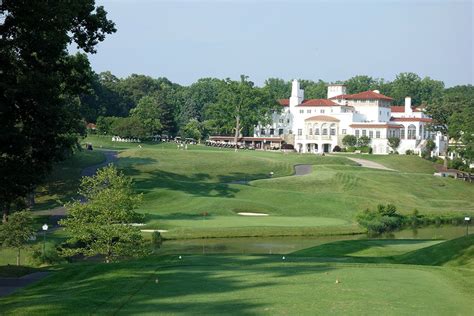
(110, 157)
(369, 164)
(10, 285)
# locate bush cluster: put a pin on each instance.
(386, 219)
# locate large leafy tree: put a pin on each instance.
(17, 231)
(149, 113)
(360, 83)
(240, 106)
(39, 86)
(446, 113)
(101, 225)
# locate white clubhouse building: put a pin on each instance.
(319, 125)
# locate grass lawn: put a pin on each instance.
(253, 285)
(180, 186)
(403, 163)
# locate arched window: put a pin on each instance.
(324, 129)
(333, 129)
(316, 129)
(411, 134)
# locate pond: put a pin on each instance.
(284, 245)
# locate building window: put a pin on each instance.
(402, 132)
(377, 134)
(280, 131)
(262, 131)
(411, 132)
(364, 132)
(371, 134)
(325, 131)
(321, 111)
(333, 131)
(301, 111)
(272, 131)
(300, 132)
(281, 120)
(316, 131)
(357, 133)
(308, 111)
(288, 121)
(310, 131)
(344, 132)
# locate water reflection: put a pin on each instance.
(284, 245)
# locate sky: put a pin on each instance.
(320, 39)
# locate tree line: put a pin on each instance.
(140, 104)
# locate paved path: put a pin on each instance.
(110, 157)
(301, 170)
(369, 164)
(10, 285)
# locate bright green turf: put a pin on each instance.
(246, 285)
(179, 186)
(403, 163)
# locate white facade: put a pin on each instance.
(319, 125)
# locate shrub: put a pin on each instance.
(351, 149)
(394, 142)
(365, 149)
(336, 149)
(50, 255)
(287, 146)
(383, 219)
(363, 141)
(456, 163)
(409, 152)
(349, 140)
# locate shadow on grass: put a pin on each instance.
(193, 285)
(198, 184)
(347, 248)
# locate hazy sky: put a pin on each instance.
(329, 40)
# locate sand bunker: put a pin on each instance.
(252, 214)
(154, 230)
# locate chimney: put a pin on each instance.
(408, 105)
(297, 94)
(377, 91)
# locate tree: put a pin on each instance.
(313, 90)
(17, 231)
(129, 127)
(406, 84)
(394, 142)
(363, 141)
(445, 113)
(192, 130)
(277, 88)
(349, 140)
(240, 106)
(101, 225)
(149, 113)
(359, 84)
(39, 117)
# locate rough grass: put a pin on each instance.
(245, 285)
(62, 183)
